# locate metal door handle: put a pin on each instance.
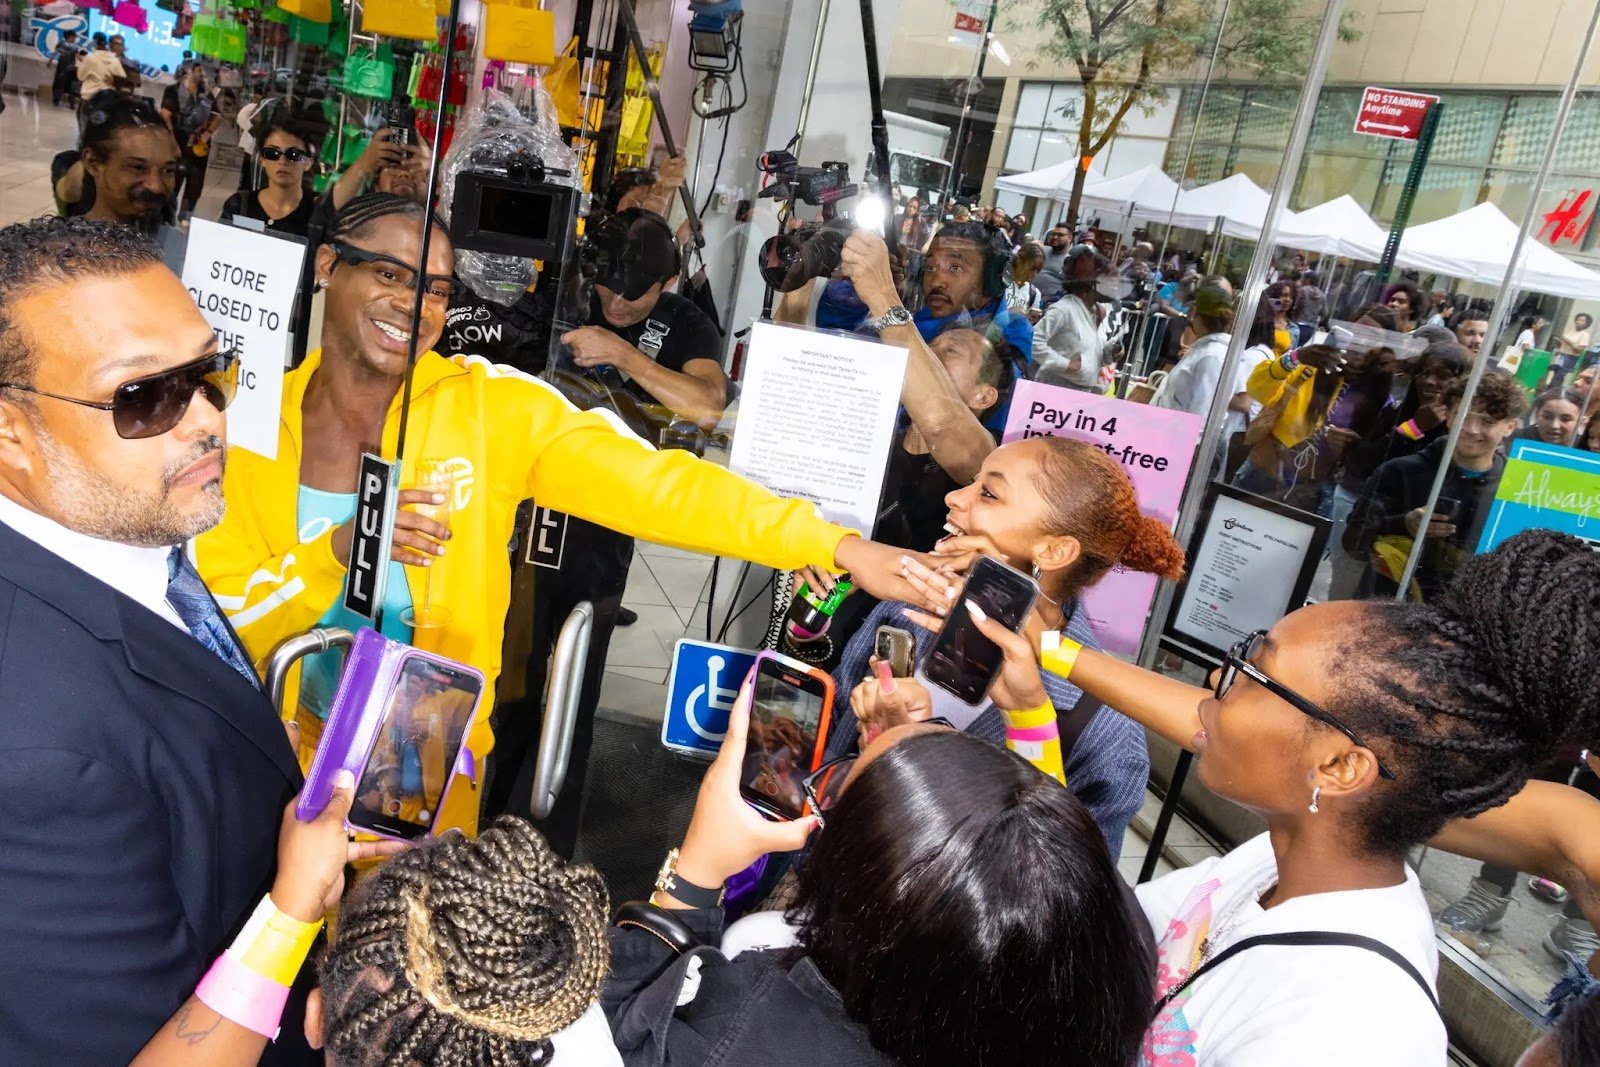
(561, 698)
(293, 649)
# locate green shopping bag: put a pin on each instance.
(305, 31)
(203, 35)
(276, 14)
(370, 73)
(230, 43)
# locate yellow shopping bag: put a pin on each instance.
(310, 10)
(519, 34)
(562, 82)
(414, 20)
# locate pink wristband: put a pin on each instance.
(242, 996)
(1048, 732)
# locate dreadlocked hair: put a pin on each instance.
(364, 210)
(1465, 697)
(466, 952)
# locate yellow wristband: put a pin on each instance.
(1030, 718)
(1058, 654)
(274, 945)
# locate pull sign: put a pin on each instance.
(374, 537)
(547, 538)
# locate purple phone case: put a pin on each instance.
(371, 671)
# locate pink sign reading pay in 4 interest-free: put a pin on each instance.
(1154, 445)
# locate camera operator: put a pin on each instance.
(653, 350)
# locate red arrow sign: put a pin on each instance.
(1392, 113)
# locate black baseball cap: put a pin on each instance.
(631, 251)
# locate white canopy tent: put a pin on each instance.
(1336, 228)
(1476, 244)
(1238, 202)
(1147, 187)
(1049, 183)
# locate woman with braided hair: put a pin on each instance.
(469, 953)
(1357, 730)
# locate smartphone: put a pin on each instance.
(789, 720)
(896, 647)
(403, 120)
(962, 661)
(402, 782)
(1450, 508)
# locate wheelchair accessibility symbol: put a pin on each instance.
(701, 692)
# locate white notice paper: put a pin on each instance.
(244, 284)
(1242, 577)
(816, 418)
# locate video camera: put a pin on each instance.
(508, 208)
(811, 250)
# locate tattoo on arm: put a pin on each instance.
(192, 1033)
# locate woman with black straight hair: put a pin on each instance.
(958, 908)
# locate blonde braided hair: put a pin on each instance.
(466, 952)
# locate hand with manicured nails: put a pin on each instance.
(884, 571)
(1019, 686)
(312, 855)
(418, 540)
(726, 835)
(884, 701)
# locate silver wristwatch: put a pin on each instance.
(895, 316)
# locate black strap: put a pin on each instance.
(1071, 725)
(660, 923)
(1306, 937)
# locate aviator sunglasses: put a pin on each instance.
(272, 153)
(150, 406)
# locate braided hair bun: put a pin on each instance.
(1531, 610)
(469, 952)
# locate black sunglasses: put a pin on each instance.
(395, 273)
(825, 785)
(150, 406)
(1237, 662)
(272, 153)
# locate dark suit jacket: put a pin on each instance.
(142, 784)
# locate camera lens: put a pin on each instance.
(781, 262)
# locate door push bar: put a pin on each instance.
(561, 699)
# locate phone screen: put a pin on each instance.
(414, 751)
(784, 745)
(962, 661)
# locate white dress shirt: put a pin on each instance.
(135, 572)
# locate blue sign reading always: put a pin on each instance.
(1545, 487)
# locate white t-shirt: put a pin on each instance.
(1274, 1005)
(1526, 340)
(1193, 382)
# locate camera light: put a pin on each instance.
(871, 214)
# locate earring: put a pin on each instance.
(1316, 795)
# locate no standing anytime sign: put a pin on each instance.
(1392, 113)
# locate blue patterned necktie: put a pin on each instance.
(192, 601)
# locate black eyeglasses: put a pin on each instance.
(395, 273)
(1237, 662)
(150, 406)
(825, 785)
(272, 153)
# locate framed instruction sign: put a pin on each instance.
(1250, 564)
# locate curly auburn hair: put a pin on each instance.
(1466, 696)
(465, 952)
(1091, 498)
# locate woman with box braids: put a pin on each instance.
(466, 952)
(1357, 730)
(361, 212)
